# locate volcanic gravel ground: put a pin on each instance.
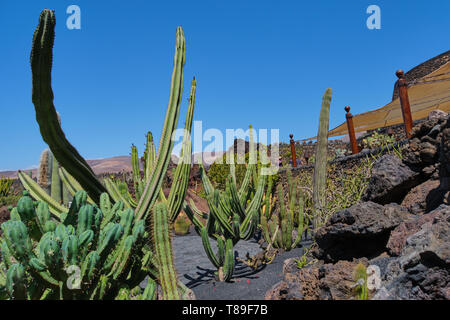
(197, 272)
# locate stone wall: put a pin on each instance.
(424, 69)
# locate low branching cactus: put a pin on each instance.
(92, 253)
(233, 214)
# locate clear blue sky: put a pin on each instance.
(261, 62)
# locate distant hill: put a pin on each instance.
(123, 163)
(107, 165)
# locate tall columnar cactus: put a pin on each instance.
(180, 177)
(277, 228)
(56, 187)
(151, 191)
(65, 153)
(320, 166)
(50, 180)
(233, 215)
(41, 65)
(45, 170)
(5, 186)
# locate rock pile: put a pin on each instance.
(401, 229)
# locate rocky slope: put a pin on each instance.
(400, 231)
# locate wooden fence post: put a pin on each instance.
(404, 101)
(351, 130)
(294, 158)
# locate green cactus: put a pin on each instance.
(41, 64)
(39, 194)
(277, 228)
(151, 191)
(45, 170)
(118, 190)
(234, 214)
(109, 247)
(320, 164)
(111, 253)
(51, 181)
(56, 187)
(163, 251)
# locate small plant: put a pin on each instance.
(376, 140)
(5, 186)
(182, 224)
(360, 278)
(339, 153)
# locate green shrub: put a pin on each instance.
(377, 140)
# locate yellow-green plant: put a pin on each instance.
(360, 278)
(304, 261)
(377, 139)
(5, 186)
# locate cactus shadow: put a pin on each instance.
(205, 275)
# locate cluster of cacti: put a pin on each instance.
(277, 228)
(320, 164)
(5, 186)
(156, 256)
(91, 253)
(233, 215)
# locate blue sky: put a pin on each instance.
(261, 62)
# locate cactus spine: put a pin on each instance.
(320, 166)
